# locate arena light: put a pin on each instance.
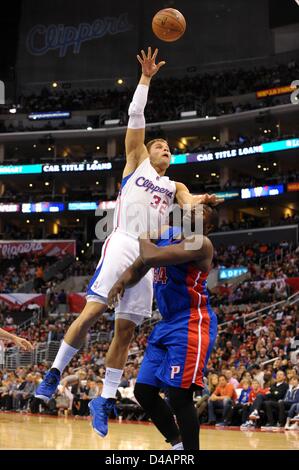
(188, 114)
(111, 122)
(49, 115)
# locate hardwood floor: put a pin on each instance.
(22, 431)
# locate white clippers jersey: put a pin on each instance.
(144, 201)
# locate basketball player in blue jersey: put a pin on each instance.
(143, 203)
(180, 345)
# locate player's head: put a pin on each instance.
(205, 218)
(159, 153)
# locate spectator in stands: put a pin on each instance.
(202, 402)
(293, 416)
(24, 393)
(52, 335)
(254, 392)
(62, 301)
(242, 404)
(9, 321)
(282, 406)
(230, 379)
(222, 399)
(277, 392)
(39, 278)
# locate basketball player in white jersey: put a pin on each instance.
(143, 204)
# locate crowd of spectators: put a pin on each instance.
(17, 271)
(269, 267)
(253, 358)
(254, 222)
(199, 92)
(254, 351)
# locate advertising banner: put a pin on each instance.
(58, 248)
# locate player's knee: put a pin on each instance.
(179, 398)
(145, 395)
(92, 310)
(124, 332)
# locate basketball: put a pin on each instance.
(169, 24)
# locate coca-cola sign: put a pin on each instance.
(57, 248)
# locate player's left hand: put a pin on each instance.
(115, 294)
(23, 344)
(210, 199)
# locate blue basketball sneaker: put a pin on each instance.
(100, 409)
(48, 387)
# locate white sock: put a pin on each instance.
(111, 382)
(178, 446)
(64, 356)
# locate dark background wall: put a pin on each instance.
(218, 31)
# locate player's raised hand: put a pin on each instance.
(115, 294)
(148, 62)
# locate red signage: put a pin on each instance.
(57, 248)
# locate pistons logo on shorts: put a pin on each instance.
(174, 371)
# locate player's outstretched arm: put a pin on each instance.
(135, 149)
(20, 342)
(196, 248)
(184, 197)
(132, 275)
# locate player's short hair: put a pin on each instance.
(151, 142)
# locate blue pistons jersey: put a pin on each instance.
(180, 345)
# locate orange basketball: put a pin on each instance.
(169, 24)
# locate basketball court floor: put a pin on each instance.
(30, 432)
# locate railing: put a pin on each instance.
(265, 259)
(14, 357)
(2, 349)
(32, 320)
(293, 299)
(56, 268)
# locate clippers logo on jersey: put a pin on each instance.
(142, 204)
(160, 275)
(151, 187)
(175, 370)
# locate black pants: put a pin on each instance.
(243, 410)
(181, 402)
(258, 403)
(277, 408)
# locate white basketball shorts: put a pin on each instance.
(119, 251)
